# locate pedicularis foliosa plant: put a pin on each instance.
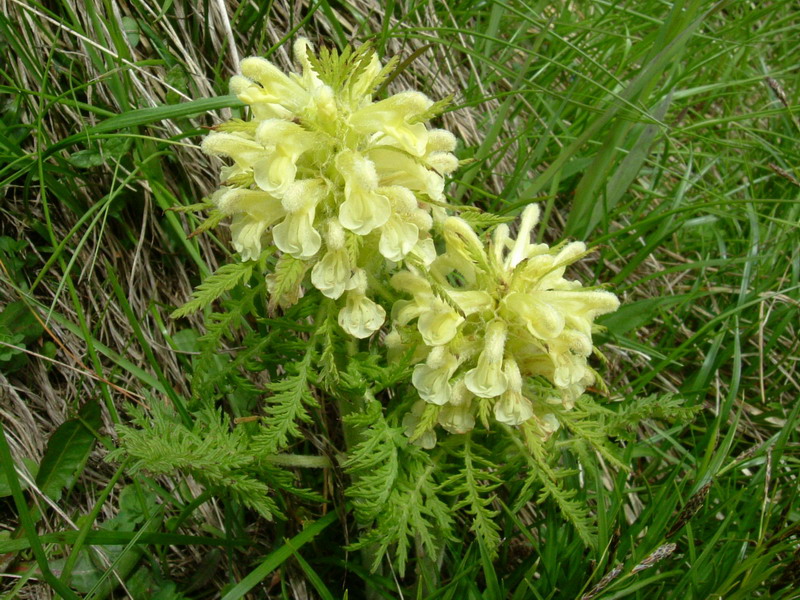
(442, 360)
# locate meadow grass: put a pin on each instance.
(663, 134)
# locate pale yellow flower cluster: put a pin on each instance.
(330, 177)
(500, 329)
(349, 186)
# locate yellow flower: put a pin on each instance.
(457, 419)
(432, 379)
(276, 87)
(519, 332)
(296, 235)
(512, 408)
(400, 233)
(285, 142)
(253, 211)
(458, 415)
(437, 321)
(398, 238)
(364, 208)
(391, 117)
(318, 142)
(487, 379)
(360, 316)
(332, 274)
(396, 168)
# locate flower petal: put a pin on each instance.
(360, 316)
(391, 117)
(541, 318)
(397, 168)
(246, 234)
(331, 274)
(457, 419)
(398, 238)
(439, 324)
(296, 235)
(364, 208)
(277, 86)
(487, 379)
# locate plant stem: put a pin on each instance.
(304, 461)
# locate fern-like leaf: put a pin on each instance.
(435, 109)
(326, 335)
(215, 217)
(199, 207)
(413, 513)
(291, 398)
(212, 453)
(482, 221)
(372, 463)
(541, 474)
(474, 484)
(223, 279)
(586, 425)
(655, 406)
(284, 282)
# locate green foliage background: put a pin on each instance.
(663, 133)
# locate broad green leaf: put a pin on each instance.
(17, 319)
(131, 29)
(67, 451)
(84, 575)
(86, 159)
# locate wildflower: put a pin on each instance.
(360, 316)
(296, 234)
(253, 211)
(332, 274)
(432, 379)
(487, 379)
(319, 154)
(501, 325)
(364, 208)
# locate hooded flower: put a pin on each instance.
(364, 208)
(319, 149)
(253, 212)
(286, 142)
(487, 379)
(360, 316)
(332, 274)
(501, 324)
(296, 235)
(393, 119)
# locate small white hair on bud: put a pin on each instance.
(334, 234)
(239, 84)
(301, 48)
(442, 162)
(441, 140)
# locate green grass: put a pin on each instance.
(664, 134)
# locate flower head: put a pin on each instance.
(502, 326)
(317, 153)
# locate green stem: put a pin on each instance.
(302, 461)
